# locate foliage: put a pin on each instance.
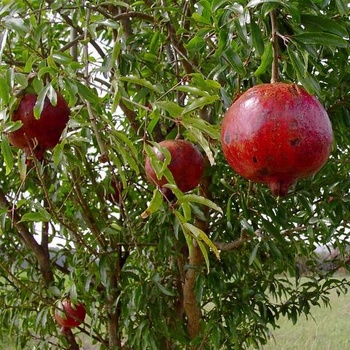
(208, 271)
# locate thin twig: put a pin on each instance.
(274, 39)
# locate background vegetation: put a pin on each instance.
(212, 270)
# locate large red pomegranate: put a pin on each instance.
(186, 166)
(43, 133)
(275, 134)
(69, 315)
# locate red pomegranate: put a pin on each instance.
(69, 315)
(275, 134)
(39, 134)
(186, 166)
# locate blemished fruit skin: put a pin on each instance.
(43, 133)
(186, 165)
(69, 315)
(276, 134)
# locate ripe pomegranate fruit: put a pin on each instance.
(39, 134)
(69, 315)
(275, 134)
(186, 166)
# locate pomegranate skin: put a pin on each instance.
(71, 315)
(186, 166)
(43, 133)
(276, 134)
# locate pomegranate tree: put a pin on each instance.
(69, 315)
(38, 135)
(186, 166)
(275, 134)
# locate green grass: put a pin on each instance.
(329, 329)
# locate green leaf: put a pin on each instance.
(234, 60)
(201, 235)
(257, 38)
(39, 216)
(196, 43)
(171, 107)
(199, 103)
(164, 290)
(252, 256)
(39, 104)
(320, 38)
(323, 24)
(266, 60)
(86, 93)
(296, 61)
(213, 131)
(3, 39)
(7, 154)
(193, 198)
(154, 205)
(191, 90)
(16, 24)
(205, 254)
(4, 90)
(142, 82)
(199, 137)
(343, 7)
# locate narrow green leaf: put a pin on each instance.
(116, 97)
(155, 43)
(191, 90)
(296, 62)
(154, 205)
(142, 82)
(320, 38)
(38, 216)
(201, 235)
(4, 90)
(58, 153)
(266, 60)
(164, 290)
(252, 256)
(7, 154)
(158, 165)
(323, 24)
(103, 269)
(39, 104)
(61, 57)
(12, 126)
(199, 103)
(193, 198)
(16, 24)
(171, 107)
(235, 61)
(3, 38)
(343, 7)
(196, 43)
(203, 142)
(205, 254)
(257, 38)
(213, 131)
(86, 93)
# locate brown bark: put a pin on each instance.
(191, 305)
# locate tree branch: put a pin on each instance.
(29, 240)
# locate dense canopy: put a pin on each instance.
(216, 267)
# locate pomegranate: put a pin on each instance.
(39, 134)
(186, 166)
(276, 134)
(69, 315)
